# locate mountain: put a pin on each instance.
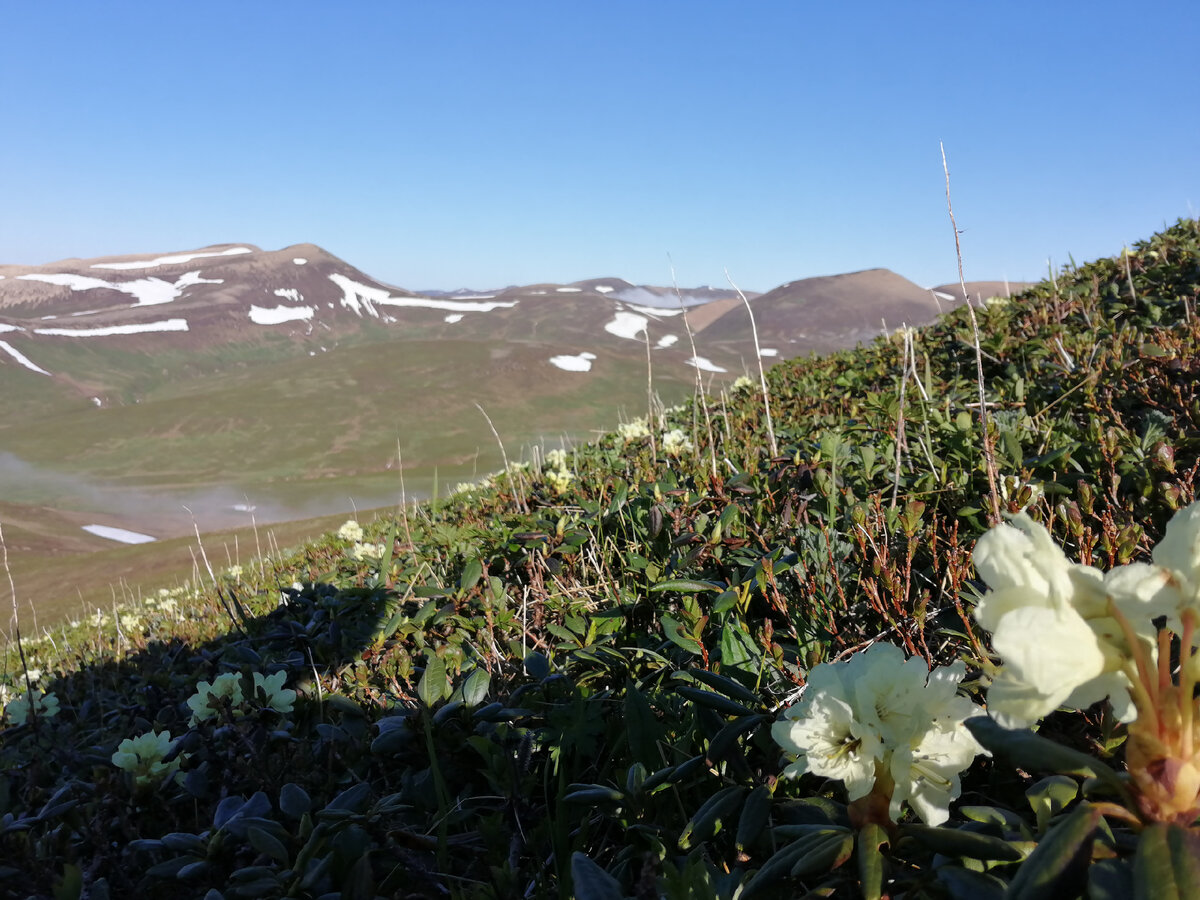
(829, 312)
(231, 376)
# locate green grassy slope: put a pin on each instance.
(554, 688)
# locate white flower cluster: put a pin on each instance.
(1069, 635)
(742, 383)
(26, 704)
(556, 473)
(228, 688)
(676, 443)
(143, 756)
(884, 725)
(350, 531)
(632, 431)
(361, 551)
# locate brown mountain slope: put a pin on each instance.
(829, 311)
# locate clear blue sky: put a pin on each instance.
(448, 144)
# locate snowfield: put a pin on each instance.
(118, 534)
(146, 291)
(580, 363)
(170, 260)
(705, 365)
(21, 358)
(261, 315)
(627, 325)
(163, 325)
(360, 298)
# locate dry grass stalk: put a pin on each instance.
(989, 455)
(762, 375)
(700, 400)
(512, 473)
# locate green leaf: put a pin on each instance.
(1031, 751)
(713, 700)
(674, 631)
(433, 684)
(475, 688)
(642, 728)
(1050, 796)
(709, 818)
(1167, 864)
(739, 652)
(780, 865)
(687, 586)
(1058, 867)
(268, 844)
(726, 739)
(1110, 879)
(471, 574)
(294, 800)
(721, 684)
(591, 881)
(962, 843)
(755, 813)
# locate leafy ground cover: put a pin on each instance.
(563, 682)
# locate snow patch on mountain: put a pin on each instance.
(626, 325)
(121, 535)
(361, 298)
(704, 365)
(161, 325)
(261, 315)
(170, 260)
(580, 363)
(289, 294)
(21, 358)
(146, 291)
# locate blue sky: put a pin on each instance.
(450, 144)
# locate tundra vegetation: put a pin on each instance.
(588, 678)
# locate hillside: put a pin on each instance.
(563, 682)
(157, 392)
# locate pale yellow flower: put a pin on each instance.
(142, 757)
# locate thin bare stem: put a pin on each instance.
(203, 555)
(512, 474)
(1129, 274)
(16, 628)
(403, 495)
(762, 375)
(650, 394)
(712, 450)
(900, 424)
(989, 456)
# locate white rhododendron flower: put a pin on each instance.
(1052, 626)
(223, 687)
(27, 704)
(277, 697)
(350, 531)
(1172, 584)
(885, 725)
(142, 757)
(676, 443)
(631, 431)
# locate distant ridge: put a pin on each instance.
(830, 311)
